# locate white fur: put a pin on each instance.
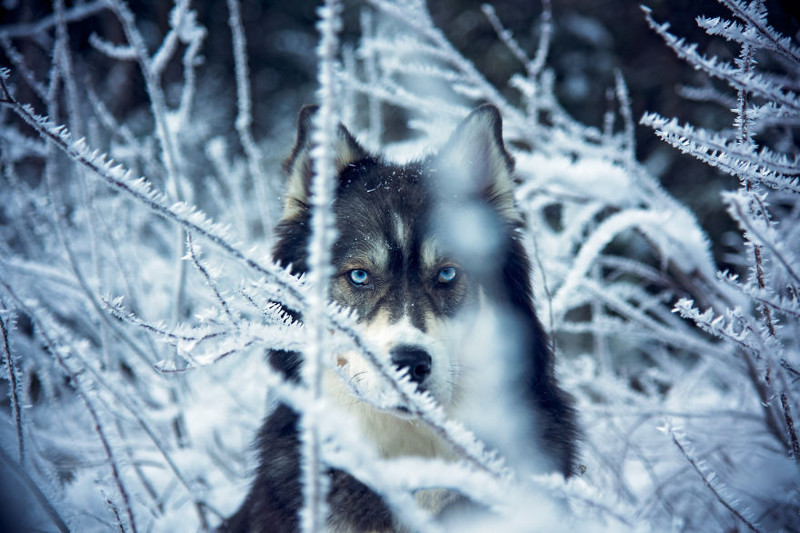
(469, 378)
(393, 435)
(399, 228)
(430, 252)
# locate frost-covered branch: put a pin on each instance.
(613, 251)
(762, 233)
(118, 177)
(761, 318)
(40, 27)
(775, 171)
(762, 85)
(755, 14)
(14, 385)
(323, 236)
(171, 155)
(55, 350)
(418, 19)
(709, 479)
(244, 119)
(208, 279)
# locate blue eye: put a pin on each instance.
(447, 275)
(359, 276)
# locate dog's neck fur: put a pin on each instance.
(391, 435)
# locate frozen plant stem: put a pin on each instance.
(710, 485)
(55, 351)
(166, 137)
(742, 121)
(115, 512)
(746, 64)
(14, 388)
(787, 413)
(209, 281)
(294, 293)
(255, 159)
(419, 20)
(7, 99)
(323, 234)
(533, 67)
(373, 78)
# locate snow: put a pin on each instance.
(137, 300)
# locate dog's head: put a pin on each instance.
(419, 245)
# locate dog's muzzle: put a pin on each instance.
(414, 361)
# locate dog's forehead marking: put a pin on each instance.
(430, 253)
(399, 227)
(378, 253)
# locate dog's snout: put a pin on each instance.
(416, 361)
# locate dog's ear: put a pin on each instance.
(477, 162)
(298, 166)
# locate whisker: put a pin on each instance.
(357, 377)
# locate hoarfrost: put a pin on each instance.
(129, 270)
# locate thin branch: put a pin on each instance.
(624, 99)
(420, 21)
(115, 512)
(244, 119)
(758, 83)
(43, 25)
(536, 66)
(734, 159)
(758, 238)
(116, 310)
(323, 235)
(745, 63)
(19, 62)
(14, 388)
(53, 349)
(209, 281)
(171, 156)
(708, 483)
(505, 35)
(777, 43)
(787, 415)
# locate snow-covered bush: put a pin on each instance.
(755, 312)
(133, 327)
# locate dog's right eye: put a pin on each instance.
(359, 277)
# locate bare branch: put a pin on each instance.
(707, 481)
(14, 385)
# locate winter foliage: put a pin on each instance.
(137, 295)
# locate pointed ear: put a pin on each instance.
(298, 167)
(477, 163)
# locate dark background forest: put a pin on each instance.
(592, 38)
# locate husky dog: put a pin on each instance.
(428, 253)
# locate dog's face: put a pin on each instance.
(418, 246)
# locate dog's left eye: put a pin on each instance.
(359, 276)
(447, 275)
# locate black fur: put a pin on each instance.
(369, 192)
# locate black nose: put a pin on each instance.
(415, 361)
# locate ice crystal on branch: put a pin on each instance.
(132, 250)
(759, 322)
